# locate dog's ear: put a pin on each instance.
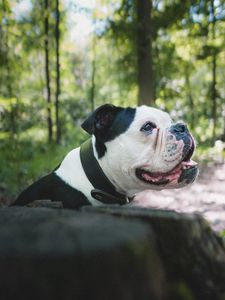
(101, 119)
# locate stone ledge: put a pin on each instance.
(192, 254)
(109, 252)
(60, 254)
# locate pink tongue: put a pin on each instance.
(171, 175)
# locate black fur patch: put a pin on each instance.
(53, 188)
(120, 124)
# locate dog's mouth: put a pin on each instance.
(186, 170)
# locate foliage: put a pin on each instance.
(183, 49)
(101, 67)
(28, 159)
(223, 235)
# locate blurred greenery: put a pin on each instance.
(31, 158)
(99, 64)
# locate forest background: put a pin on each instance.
(59, 59)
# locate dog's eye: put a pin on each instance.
(148, 127)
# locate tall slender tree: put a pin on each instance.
(47, 72)
(189, 94)
(57, 41)
(144, 52)
(8, 80)
(93, 71)
(214, 54)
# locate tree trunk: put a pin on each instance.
(92, 89)
(10, 90)
(92, 96)
(57, 37)
(190, 96)
(47, 74)
(144, 53)
(223, 115)
(213, 90)
(9, 80)
(62, 254)
(192, 255)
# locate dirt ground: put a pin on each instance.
(206, 196)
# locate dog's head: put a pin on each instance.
(140, 148)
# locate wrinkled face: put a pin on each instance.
(143, 149)
(165, 150)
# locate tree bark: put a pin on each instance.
(47, 73)
(57, 39)
(62, 254)
(144, 53)
(190, 97)
(92, 89)
(92, 96)
(213, 90)
(9, 80)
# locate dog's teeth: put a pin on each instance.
(188, 164)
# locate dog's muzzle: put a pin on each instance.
(179, 148)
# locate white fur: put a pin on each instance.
(71, 172)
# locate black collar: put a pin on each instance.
(103, 191)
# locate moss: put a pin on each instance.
(181, 291)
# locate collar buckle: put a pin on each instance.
(107, 198)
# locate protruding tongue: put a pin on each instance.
(172, 175)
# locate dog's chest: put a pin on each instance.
(72, 173)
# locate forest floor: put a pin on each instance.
(206, 196)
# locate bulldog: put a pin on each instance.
(130, 150)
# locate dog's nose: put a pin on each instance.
(179, 128)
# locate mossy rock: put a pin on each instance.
(60, 254)
(193, 255)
